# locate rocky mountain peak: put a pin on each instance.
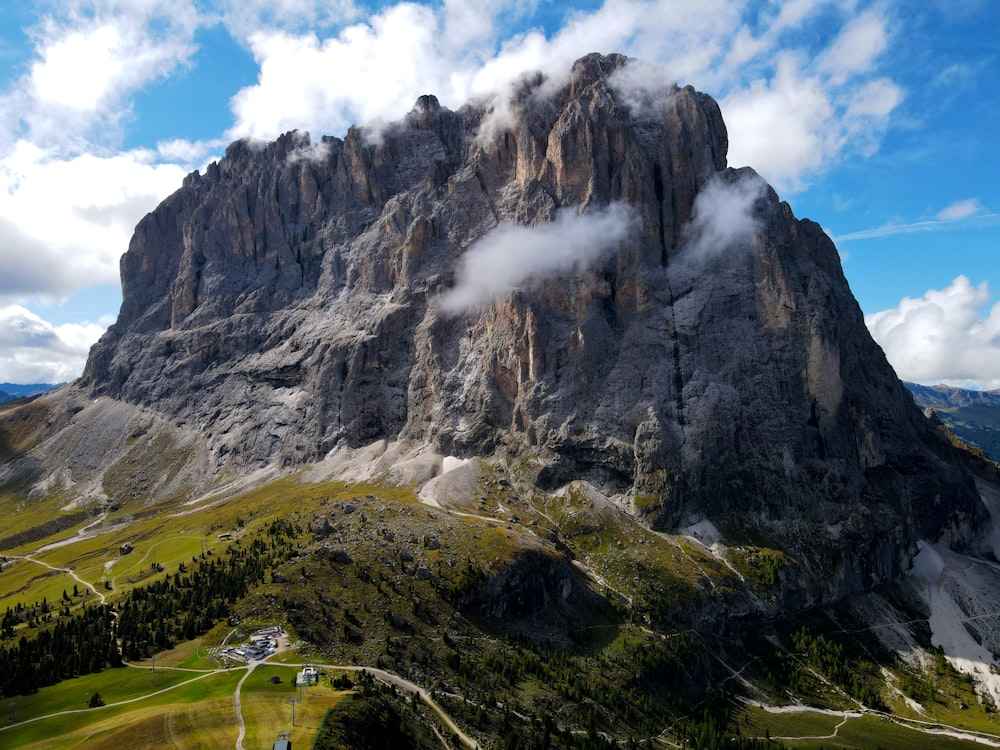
(569, 278)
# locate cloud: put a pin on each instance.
(791, 110)
(960, 210)
(644, 88)
(369, 70)
(723, 216)
(64, 223)
(855, 48)
(946, 336)
(71, 198)
(792, 106)
(188, 154)
(964, 213)
(88, 60)
(514, 255)
(243, 18)
(32, 350)
(781, 126)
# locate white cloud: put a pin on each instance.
(960, 210)
(88, 60)
(723, 216)
(855, 48)
(188, 154)
(64, 223)
(790, 112)
(244, 18)
(644, 88)
(514, 255)
(784, 127)
(946, 336)
(368, 71)
(964, 213)
(32, 350)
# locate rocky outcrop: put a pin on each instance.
(710, 361)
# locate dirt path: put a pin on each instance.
(933, 728)
(69, 571)
(239, 707)
(403, 684)
(81, 534)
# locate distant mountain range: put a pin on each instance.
(10, 391)
(974, 416)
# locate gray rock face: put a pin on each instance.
(287, 302)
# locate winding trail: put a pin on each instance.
(380, 674)
(933, 728)
(402, 683)
(69, 571)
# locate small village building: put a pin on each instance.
(124, 549)
(225, 536)
(308, 676)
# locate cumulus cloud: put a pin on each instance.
(950, 335)
(33, 350)
(723, 216)
(88, 60)
(369, 70)
(64, 223)
(514, 255)
(855, 48)
(791, 111)
(71, 198)
(781, 126)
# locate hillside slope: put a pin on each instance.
(974, 416)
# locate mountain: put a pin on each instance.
(973, 416)
(536, 402)
(303, 299)
(11, 391)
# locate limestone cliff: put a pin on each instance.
(710, 361)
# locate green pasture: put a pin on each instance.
(267, 708)
(204, 699)
(195, 654)
(165, 538)
(21, 514)
(28, 582)
(812, 730)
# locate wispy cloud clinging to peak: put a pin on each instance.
(723, 215)
(514, 255)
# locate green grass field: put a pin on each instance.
(192, 711)
(140, 693)
(816, 730)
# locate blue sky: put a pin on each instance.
(876, 119)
